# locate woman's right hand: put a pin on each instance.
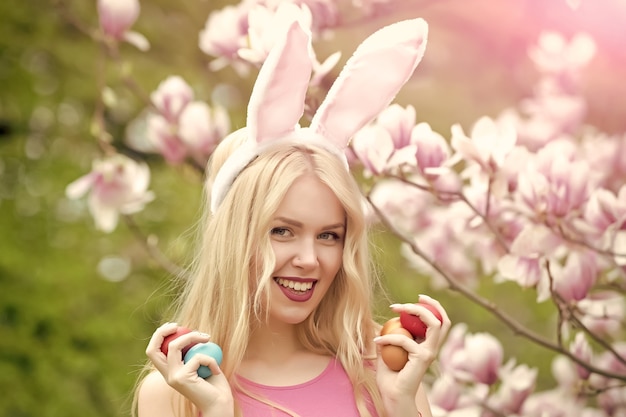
(213, 395)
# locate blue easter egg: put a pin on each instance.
(210, 349)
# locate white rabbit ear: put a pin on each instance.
(277, 100)
(370, 80)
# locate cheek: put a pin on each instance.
(333, 259)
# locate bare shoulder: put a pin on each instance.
(156, 397)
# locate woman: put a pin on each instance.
(282, 278)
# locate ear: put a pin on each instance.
(370, 80)
(277, 100)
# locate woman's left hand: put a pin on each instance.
(399, 389)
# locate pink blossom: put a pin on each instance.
(475, 358)
(373, 146)
(432, 152)
(116, 184)
(116, 18)
(224, 34)
(555, 55)
(201, 128)
(553, 403)
(517, 383)
(607, 156)
(555, 184)
(399, 122)
(581, 349)
(573, 280)
(171, 97)
(266, 25)
(325, 13)
(445, 393)
(614, 399)
(603, 312)
(488, 145)
(163, 137)
(526, 271)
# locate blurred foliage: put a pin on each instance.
(72, 341)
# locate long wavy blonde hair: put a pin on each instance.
(225, 297)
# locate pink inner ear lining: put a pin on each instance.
(395, 49)
(277, 100)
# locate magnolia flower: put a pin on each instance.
(224, 34)
(266, 25)
(517, 383)
(603, 312)
(582, 350)
(164, 139)
(476, 358)
(554, 54)
(171, 97)
(573, 280)
(116, 184)
(432, 152)
(201, 128)
(555, 185)
(489, 144)
(116, 17)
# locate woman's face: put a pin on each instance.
(307, 234)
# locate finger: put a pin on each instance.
(153, 349)
(200, 359)
(186, 340)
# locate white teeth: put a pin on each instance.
(295, 285)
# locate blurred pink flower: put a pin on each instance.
(581, 349)
(116, 18)
(373, 146)
(603, 312)
(553, 403)
(489, 144)
(526, 271)
(433, 152)
(116, 184)
(171, 97)
(555, 185)
(164, 139)
(517, 383)
(555, 55)
(201, 128)
(266, 25)
(224, 34)
(474, 358)
(573, 280)
(445, 393)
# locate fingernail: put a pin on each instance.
(394, 305)
(377, 338)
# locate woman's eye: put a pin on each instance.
(329, 236)
(279, 231)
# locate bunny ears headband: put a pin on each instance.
(368, 83)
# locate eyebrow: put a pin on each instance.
(299, 224)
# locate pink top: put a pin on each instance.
(327, 395)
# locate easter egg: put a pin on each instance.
(414, 324)
(179, 332)
(210, 349)
(395, 357)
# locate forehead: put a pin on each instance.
(310, 201)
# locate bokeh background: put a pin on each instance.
(77, 306)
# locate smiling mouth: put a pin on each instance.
(296, 290)
(295, 286)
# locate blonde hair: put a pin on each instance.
(225, 297)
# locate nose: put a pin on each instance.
(306, 255)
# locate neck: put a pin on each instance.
(273, 342)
